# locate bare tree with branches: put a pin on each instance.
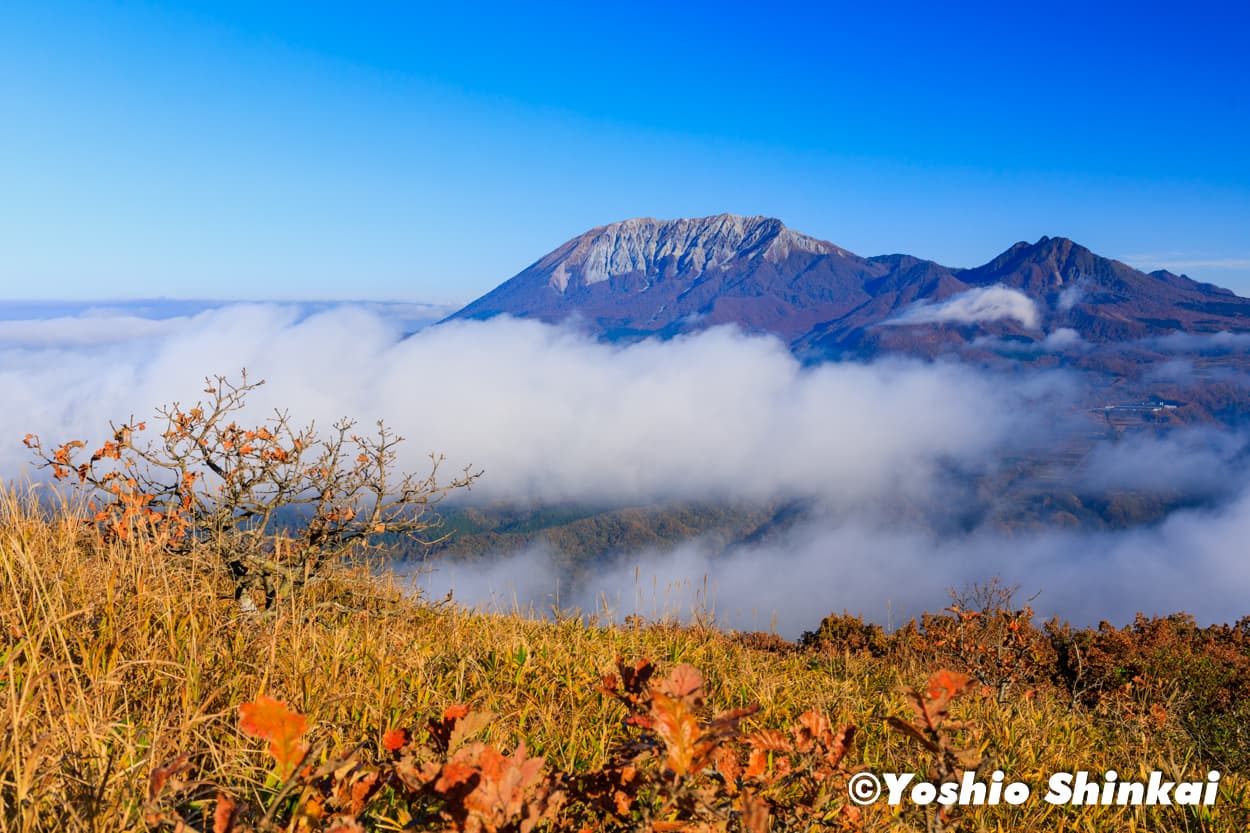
(276, 501)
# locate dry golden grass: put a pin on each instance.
(114, 660)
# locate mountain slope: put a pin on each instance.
(647, 277)
(652, 277)
(1074, 293)
(1105, 300)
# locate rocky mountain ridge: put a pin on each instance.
(645, 277)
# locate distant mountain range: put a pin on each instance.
(645, 277)
(1140, 349)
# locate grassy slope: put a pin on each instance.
(113, 661)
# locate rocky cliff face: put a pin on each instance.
(691, 248)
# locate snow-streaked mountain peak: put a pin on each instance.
(691, 246)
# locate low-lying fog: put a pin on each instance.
(552, 416)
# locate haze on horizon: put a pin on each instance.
(232, 151)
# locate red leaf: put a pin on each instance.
(453, 774)
(841, 744)
(395, 739)
(947, 684)
(166, 772)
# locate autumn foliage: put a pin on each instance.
(271, 720)
(1158, 670)
(677, 767)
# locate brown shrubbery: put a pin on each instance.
(1160, 669)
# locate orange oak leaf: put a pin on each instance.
(676, 724)
(224, 814)
(947, 684)
(362, 790)
(271, 720)
(757, 764)
(684, 683)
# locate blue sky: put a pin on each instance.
(278, 151)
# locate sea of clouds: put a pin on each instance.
(553, 416)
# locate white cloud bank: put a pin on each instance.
(989, 303)
(1060, 340)
(85, 330)
(1192, 562)
(551, 415)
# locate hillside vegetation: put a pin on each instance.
(138, 694)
